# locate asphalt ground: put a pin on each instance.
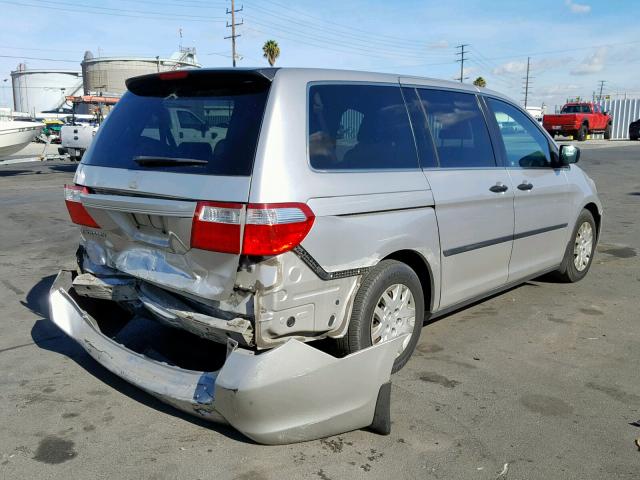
(540, 382)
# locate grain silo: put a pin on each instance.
(107, 74)
(39, 90)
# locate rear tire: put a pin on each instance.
(607, 132)
(372, 299)
(579, 253)
(581, 136)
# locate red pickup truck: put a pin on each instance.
(578, 120)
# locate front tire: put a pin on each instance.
(607, 132)
(579, 253)
(388, 303)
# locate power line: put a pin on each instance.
(324, 40)
(233, 26)
(331, 28)
(461, 60)
(156, 16)
(39, 58)
(347, 27)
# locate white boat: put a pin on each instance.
(15, 135)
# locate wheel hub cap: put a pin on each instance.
(394, 315)
(583, 246)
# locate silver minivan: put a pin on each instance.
(264, 208)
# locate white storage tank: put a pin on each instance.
(107, 75)
(40, 90)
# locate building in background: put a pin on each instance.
(107, 75)
(41, 90)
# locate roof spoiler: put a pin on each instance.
(199, 81)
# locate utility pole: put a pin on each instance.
(233, 26)
(461, 60)
(602, 82)
(527, 81)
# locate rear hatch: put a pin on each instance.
(160, 193)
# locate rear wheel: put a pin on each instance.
(579, 253)
(581, 136)
(388, 304)
(607, 132)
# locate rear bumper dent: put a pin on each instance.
(291, 393)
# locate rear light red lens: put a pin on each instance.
(269, 228)
(173, 75)
(274, 228)
(77, 212)
(216, 226)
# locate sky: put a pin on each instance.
(572, 44)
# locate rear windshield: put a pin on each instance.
(163, 128)
(576, 109)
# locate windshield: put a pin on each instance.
(576, 109)
(218, 128)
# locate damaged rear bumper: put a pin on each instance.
(291, 393)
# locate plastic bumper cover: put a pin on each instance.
(291, 393)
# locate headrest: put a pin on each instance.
(458, 131)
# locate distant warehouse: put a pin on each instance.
(108, 74)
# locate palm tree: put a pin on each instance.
(480, 82)
(271, 51)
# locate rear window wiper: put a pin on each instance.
(167, 161)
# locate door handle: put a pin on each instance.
(525, 186)
(499, 188)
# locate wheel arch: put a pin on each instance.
(422, 268)
(597, 217)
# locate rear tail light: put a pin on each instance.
(273, 228)
(269, 229)
(77, 212)
(217, 226)
(175, 75)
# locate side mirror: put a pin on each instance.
(569, 154)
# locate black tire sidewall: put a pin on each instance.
(569, 269)
(582, 133)
(385, 274)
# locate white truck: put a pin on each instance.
(75, 139)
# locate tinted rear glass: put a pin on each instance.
(359, 127)
(458, 129)
(217, 126)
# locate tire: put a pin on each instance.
(376, 283)
(581, 136)
(569, 272)
(607, 132)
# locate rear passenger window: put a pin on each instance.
(359, 127)
(458, 129)
(525, 145)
